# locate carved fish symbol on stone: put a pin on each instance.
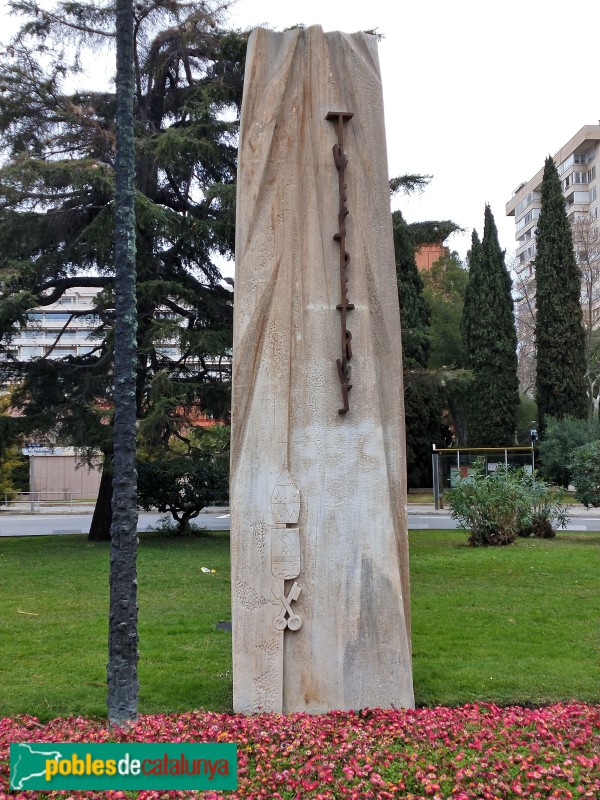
(285, 553)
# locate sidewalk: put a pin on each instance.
(82, 508)
(574, 510)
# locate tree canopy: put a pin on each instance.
(423, 398)
(414, 311)
(559, 333)
(57, 211)
(490, 342)
(445, 286)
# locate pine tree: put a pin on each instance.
(57, 185)
(559, 333)
(490, 342)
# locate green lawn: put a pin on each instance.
(510, 625)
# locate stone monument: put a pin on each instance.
(320, 587)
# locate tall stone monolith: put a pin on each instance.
(320, 587)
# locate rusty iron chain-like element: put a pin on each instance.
(341, 160)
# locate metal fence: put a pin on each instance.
(32, 502)
(453, 464)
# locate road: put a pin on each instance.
(444, 522)
(47, 524)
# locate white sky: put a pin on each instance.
(476, 93)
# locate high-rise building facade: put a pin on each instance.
(578, 164)
(65, 328)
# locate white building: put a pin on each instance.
(578, 165)
(65, 328)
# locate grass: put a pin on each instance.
(506, 625)
(516, 624)
(419, 497)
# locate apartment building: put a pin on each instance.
(68, 328)
(65, 328)
(578, 164)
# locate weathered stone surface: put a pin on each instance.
(343, 639)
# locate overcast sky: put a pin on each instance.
(476, 93)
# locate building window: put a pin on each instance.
(30, 352)
(52, 318)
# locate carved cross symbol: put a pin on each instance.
(280, 623)
(341, 161)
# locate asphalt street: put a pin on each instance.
(40, 524)
(419, 517)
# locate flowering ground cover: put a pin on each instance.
(473, 752)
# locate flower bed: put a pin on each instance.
(474, 752)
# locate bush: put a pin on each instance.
(493, 507)
(585, 468)
(506, 503)
(559, 440)
(183, 483)
(169, 528)
(547, 510)
(14, 474)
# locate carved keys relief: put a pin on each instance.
(285, 548)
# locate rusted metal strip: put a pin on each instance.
(341, 161)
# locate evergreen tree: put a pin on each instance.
(57, 186)
(414, 311)
(490, 342)
(475, 285)
(445, 287)
(422, 402)
(559, 333)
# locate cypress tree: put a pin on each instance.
(414, 309)
(490, 342)
(422, 401)
(559, 333)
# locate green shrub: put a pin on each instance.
(14, 473)
(169, 528)
(493, 507)
(560, 438)
(585, 468)
(547, 510)
(183, 483)
(506, 503)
